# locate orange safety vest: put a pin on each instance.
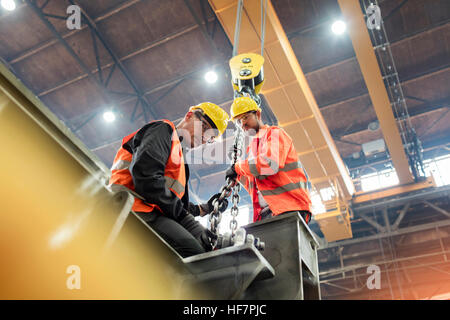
(273, 166)
(174, 172)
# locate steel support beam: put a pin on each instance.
(27, 53)
(383, 262)
(370, 69)
(418, 196)
(175, 79)
(373, 223)
(92, 25)
(401, 216)
(418, 287)
(376, 195)
(393, 11)
(397, 232)
(100, 85)
(204, 29)
(432, 72)
(85, 69)
(440, 210)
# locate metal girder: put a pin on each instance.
(27, 53)
(401, 216)
(113, 65)
(392, 191)
(170, 83)
(397, 232)
(175, 79)
(414, 284)
(203, 29)
(440, 210)
(405, 201)
(373, 223)
(406, 80)
(429, 108)
(435, 123)
(418, 196)
(367, 255)
(100, 85)
(393, 11)
(370, 69)
(92, 25)
(47, 23)
(365, 265)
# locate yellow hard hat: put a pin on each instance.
(243, 105)
(215, 114)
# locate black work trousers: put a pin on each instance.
(306, 215)
(173, 233)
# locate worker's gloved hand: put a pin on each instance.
(206, 239)
(231, 173)
(195, 210)
(203, 235)
(209, 206)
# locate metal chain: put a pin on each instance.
(215, 217)
(263, 24)
(237, 28)
(232, 186)
(235, 209)
(237, 152)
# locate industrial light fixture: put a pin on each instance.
(338, 27)
(211, 77)
(373, 126)
(8, 5)
(109, 116)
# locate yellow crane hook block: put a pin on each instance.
(247, 71)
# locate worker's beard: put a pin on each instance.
(252, 131)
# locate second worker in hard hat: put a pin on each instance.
(272, 173)
(150, 164)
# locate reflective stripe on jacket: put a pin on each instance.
(174, 172)
(273, 166)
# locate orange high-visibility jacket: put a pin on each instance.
(174, 173)
(273, 166)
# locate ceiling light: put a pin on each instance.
(211, 77)
(338, 27)
(109, 116)
(373, 126)
(9, 5)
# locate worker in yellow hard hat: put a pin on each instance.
(272, 173)
(150, 164)
(216, 118)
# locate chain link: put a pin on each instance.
(235, 209)
(215, 217)
(232, 187)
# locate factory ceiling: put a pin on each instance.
(147, 60)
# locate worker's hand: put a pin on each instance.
(195, 210)
(206, 239)
(209, 206)
(231, 173)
